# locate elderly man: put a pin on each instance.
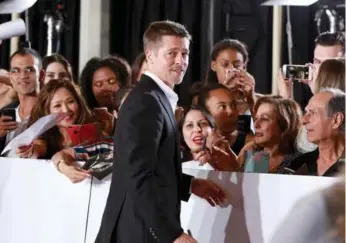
(324, 121)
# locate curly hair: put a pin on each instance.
(226, 44)
(119, 67)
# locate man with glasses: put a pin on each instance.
(25, 75)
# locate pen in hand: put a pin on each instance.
(189, 233)
(204, 145)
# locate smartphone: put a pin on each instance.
(9, 112)
(101, 112)
(297, 72)
(83, 134)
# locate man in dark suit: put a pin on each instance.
(147, 183)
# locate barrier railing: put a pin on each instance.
(40, 205)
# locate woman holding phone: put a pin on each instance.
(228, 67)
(59, 96)
(201, 145)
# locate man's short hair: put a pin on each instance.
(28, 51)
(158, 29)
(331, 39)
(336, 104)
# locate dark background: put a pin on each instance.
(247, 21)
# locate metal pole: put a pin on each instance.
(14, 42)
(289, 36)
(277, 36)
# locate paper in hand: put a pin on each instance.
(34, 131)
(11, 29)
(15, 6)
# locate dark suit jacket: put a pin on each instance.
(147, 183)
(3, 139)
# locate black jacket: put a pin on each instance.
(147, 184)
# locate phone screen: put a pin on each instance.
(297, 72)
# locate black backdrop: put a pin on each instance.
(5, 45)
(247, 21)
(37, 31)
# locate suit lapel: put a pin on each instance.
(165, 102)
(167, 106)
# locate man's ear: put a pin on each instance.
(338, 120)
(149, 56)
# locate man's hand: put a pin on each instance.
(208, 190)
(184, 238)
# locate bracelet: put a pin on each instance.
(57, 164)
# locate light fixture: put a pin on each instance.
(288, 2)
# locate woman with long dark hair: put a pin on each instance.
(56, 67)
(101, 78)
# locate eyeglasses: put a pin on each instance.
(27, 70)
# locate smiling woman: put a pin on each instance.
(58, 96)
(201, 144)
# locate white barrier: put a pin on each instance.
(39, 205)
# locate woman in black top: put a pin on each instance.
(222, 105)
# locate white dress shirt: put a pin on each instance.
(22, 125)
(170, 94)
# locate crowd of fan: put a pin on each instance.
(228, 126)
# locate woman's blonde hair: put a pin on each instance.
(288, 116)
(331, 74)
